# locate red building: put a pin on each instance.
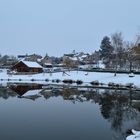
(27, 66)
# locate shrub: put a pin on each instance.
(32, 79)
(57, 80)
(79, 82)
(95, 83)
(68, 81)
(46, 80)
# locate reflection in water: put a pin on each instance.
(117, 107)
(22, 89)
(27, 90)
(121, 108)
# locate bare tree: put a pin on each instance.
(70, 63)
(117, 43)
(133, 53)
(130, 56)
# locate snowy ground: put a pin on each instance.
(74, 75)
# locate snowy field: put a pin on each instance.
(74, 75)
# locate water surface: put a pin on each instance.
(36, 112)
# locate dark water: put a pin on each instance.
(35, 112)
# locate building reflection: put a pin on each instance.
(116, 106)
(23, 89)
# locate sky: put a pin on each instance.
(56, 27)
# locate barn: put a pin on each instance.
(27, 66)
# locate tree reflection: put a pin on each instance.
(6, 93)
(116, 106)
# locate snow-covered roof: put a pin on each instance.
(73, 58)
(39, 60)
(84, 56)
(32, 64)
(48, 64)
(60, 64)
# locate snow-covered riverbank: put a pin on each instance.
(74, 75)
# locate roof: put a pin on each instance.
(32, 64)
(48, 64)
(73, 58)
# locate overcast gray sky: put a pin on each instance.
(60, 26)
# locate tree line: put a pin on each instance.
(116, 53)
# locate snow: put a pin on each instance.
(77, 56)
(32, 92)
(135, 132)
(84, 56)
(101, 65)
(135, 136)
(48, 64)
(32, 64)
(39, 60)
(77, 75)
(73, 58)
(86, 66)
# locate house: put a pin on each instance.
(21, 57)
(34, 57)
(46, 60)
(48, 65)
(27, 66)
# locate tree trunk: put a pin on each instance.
(115, 74)
(130, 68)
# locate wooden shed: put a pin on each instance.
(27, 66)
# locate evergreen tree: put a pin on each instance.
(106, 48)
